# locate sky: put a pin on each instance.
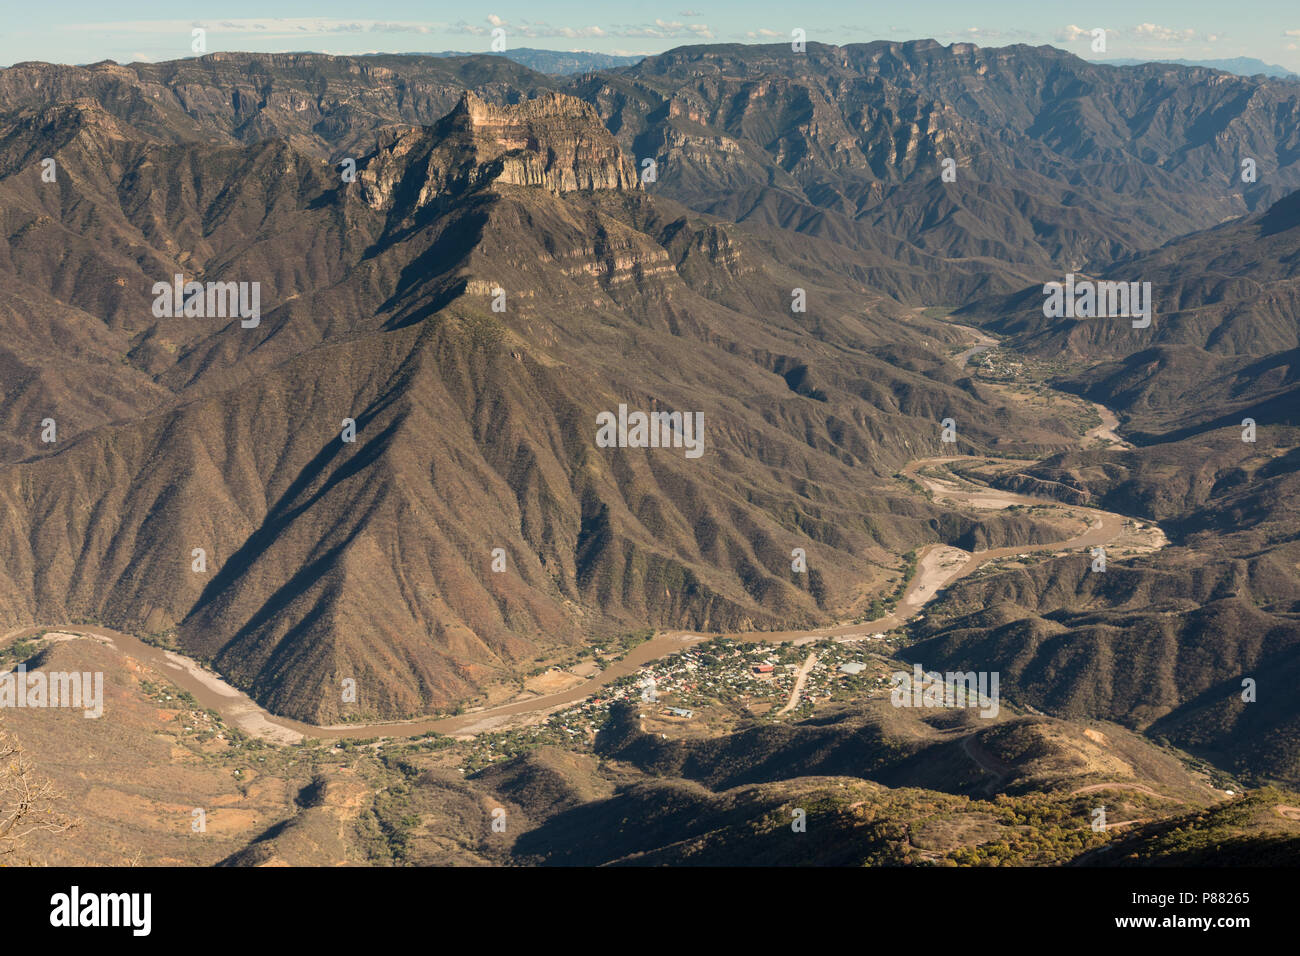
(87, 31)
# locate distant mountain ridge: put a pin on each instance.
(1240, 65)
(1059, 161)
(561, 62)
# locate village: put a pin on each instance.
(709, 688)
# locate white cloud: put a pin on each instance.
(985, 34)
(663, 30)
(528, 30)
(272, 27)
(399, 28)
(1072, 33)
(1153, 31)
(300, 31)
(300, 28)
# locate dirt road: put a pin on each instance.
(799, 678)
(1140, 788)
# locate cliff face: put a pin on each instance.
(554, 142)
(325, 106)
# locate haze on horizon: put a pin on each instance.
(81, 32)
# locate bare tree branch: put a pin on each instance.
(28, 804)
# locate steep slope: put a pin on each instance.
(1161, 643)
(1058, 162)
(1223, 341)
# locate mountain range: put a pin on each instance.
(392, 474)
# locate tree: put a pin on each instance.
(28, 803)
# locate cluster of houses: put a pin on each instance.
(736, 671)
(678, 687)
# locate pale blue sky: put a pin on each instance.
(84, 31)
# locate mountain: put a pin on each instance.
(1057, 160)
(323, 106)
(1165, 643)
(557, 61)
(1240, 65)
(1223, 340)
